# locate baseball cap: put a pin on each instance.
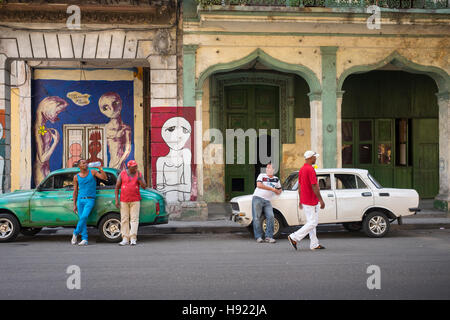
(308, 154)
(131, 163)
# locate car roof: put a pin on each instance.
(339, 170)
(73, 170)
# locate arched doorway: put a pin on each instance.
(390, 126)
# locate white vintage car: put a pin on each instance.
(352, 197)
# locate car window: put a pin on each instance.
(345, 181)
(360, 183)
(47, 184)
(291, 182)
(110, 183)
(324, 181)
(64, 181)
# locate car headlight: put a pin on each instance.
(234, 206)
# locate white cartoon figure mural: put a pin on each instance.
(173, 177)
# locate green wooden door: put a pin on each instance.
(247, 107)
(426, 157)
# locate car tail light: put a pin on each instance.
(157, 208)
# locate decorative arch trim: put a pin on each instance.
(269, 61)
(440, 76)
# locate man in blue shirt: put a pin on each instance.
(84, 192)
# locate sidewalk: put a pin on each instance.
(218, 222)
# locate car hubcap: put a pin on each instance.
(276, 225)
(111, 229)
(377, 225)
(6, 228)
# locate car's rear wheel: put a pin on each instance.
(30, 231)
(376, 224)
(109, 227)
(352, 226)
(277, 225)
(9, 227)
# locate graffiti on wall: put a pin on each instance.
(172, 147)
(2, 149)
(91, 119)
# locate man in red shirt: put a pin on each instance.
(309, 195)
(129, 182)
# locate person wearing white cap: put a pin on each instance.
(309, 199)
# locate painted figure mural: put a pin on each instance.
(46, 138)
(75, 154)
(118, 133)
(173, 176)
(95, 147)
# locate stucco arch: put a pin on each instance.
(269, 61)
(440, 76)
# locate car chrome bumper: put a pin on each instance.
(415, 210)
(237, 217)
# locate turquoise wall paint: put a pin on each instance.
(189, 75)
(329, 110)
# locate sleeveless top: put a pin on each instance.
(129, 190)
(87, 186)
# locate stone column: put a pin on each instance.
(316, 126)
(329, 113)
(339, 96)
(442, 200)
(5, 124)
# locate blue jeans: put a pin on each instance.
(84, 209)
(258, 206)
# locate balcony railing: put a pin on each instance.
(391, 4)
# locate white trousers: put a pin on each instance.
(312, 219)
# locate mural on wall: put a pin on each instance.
(172, 147)
(117, 132)
(46, 139)
(2, 148)
(91, 119)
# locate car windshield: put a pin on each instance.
(291, 182)
(374, 181)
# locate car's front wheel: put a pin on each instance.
(9, 227)
(109, 227)
(376, 224)
(30, 231)
(277, 225)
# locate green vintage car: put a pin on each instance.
(51, 205)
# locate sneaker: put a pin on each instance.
(133, 242)
(83, 243)
(270, 240)
(293, 243)
(124, 243)
(259, 240)
(74, 239)
(319, 247)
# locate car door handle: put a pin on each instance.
(384, 194)
(366, 194)
(330, 195)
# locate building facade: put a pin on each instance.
(327, 79)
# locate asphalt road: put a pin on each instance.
(413, 265)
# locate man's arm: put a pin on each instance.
(75, 193)
(262, 186)
(316, 191)
(100, 174)
(141, 181)
(118, 185)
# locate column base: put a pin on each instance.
(442, 202)
(188, 211)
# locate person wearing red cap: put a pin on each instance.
(128, 183)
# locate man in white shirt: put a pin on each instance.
(267, 185)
